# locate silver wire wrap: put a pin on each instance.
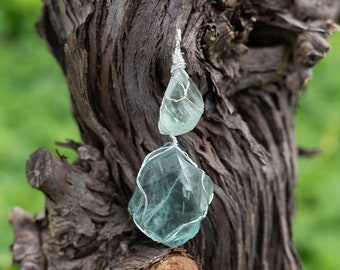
(177, 56)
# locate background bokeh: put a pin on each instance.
(35, 112)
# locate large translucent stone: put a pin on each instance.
(172, 196)
(182, 105)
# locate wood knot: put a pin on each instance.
(311, 47)
(176, 263)
(175, 259)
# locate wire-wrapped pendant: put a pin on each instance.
(172, 194)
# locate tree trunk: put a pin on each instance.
(248, 58)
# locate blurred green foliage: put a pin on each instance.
(35, 111)
(317, 220)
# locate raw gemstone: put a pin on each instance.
(182, 105)
(172, 196)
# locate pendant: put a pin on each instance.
(182, 105)
(172, 196)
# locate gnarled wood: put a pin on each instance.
(249, 58)
(27, 250)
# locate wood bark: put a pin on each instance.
(248, 58)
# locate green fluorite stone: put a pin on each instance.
(182, 105)
(172, 196)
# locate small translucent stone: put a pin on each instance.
(182, 105)
(172, 196)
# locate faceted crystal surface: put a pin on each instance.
(182, 105)
(172, 196)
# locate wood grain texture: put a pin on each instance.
(248, 58)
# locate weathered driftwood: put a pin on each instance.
(249, 58)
